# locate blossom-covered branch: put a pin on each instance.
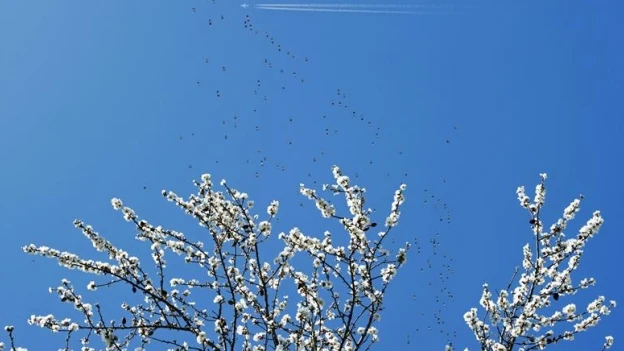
(530, 316)
(338, 294)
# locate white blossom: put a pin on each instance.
(546, 279)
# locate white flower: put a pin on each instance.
(608, 342)
(201, 337)
(570, 309)
(273, 207)
(117, 204)
(388, 272)
(265, 228)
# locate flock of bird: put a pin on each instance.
(280, 64)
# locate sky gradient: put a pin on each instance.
(123, 99)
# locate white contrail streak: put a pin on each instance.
(421, 9)
(385, 6)
(334, 9)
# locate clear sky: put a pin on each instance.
(103, 99)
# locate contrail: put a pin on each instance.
(351, 10)
(385, 6)
(422, 9)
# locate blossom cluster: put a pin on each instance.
(335, 303)
(527, 317)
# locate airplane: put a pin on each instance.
(245, 5)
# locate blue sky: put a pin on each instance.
(123, 99)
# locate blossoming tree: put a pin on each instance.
(339, 294)
(547, 277)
